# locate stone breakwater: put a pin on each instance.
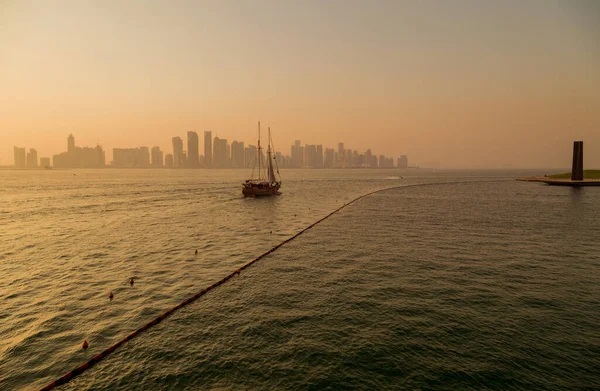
(561, 181)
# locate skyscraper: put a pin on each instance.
(169, 161)
(143, 157)
(250, 156)
(368, 158)
(131, 157)
(32, 158)
(208, 155)
(297, 154)
(220, 153)
(71, 143)
(319, 156)
(20, 161)
(311, 156)
(329, 155)
(80, 157)
(157, 157)
(403, 161)
(177, 152)
(237, 154)
(193, 155)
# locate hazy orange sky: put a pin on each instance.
(459, 83)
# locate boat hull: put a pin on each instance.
(260, 190)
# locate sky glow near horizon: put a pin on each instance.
(454, 83)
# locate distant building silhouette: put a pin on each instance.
(208, 155)
(32, 158)
(157, 157)
(169, 160)
(328, 159)
(403, 161)
(71, 143)
(78, 157)
(131, 157)
(319, 158)
(368, 159)
(237, 154)
(249, 156)
(20, 157)
(193, 154)
(297, 154)
(177, 152)
(220, 153)
(144, 157)
(45, 162)
(311, 156)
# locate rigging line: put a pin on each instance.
(101, 356)
(274, 157)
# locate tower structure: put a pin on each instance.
(208, 153)
(193, 153)
(577, 170)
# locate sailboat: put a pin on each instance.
(268, 183)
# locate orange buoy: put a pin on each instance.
(110, 296)
(131, 282)
(85, 344)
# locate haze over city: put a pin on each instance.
(450, 84)
(421, 212)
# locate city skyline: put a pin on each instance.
(222, 154)
(459, 84)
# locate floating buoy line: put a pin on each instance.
(99, 357)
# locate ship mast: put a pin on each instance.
(258, 156)
(270, 172)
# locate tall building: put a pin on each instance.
(131, 157)
(208, 156)
(249, 156)
(220, 153)
(169, 160)
(311, 156)
(184, 160)
(193, 154)
(143, 157)
(20, 157)
(157, 157)
(71, 143)
(329, 156)
(403, 161)
(385, 162)
(297, 155)
(237, 154)
(368, 160)
(319, 156)
(78, 157)
(280, 160)
(32, 158)
(177, 152)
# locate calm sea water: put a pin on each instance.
(460, 280)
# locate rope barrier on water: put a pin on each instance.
(99, 357)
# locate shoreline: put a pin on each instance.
(561, 181)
